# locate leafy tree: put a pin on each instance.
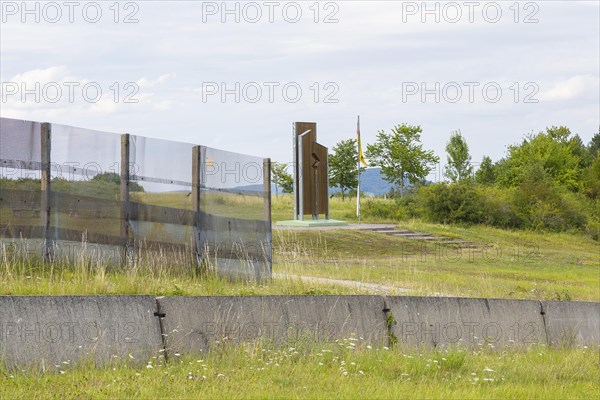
(594, 145)
(343, 166)
(401, 156)
(485, 175)
(552, 150)
(281, 178)
(591, 179)
(459, 161)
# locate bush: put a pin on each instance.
(385, 210)
(498, 209)
(452, 203)
(541, 205)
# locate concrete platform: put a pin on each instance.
(309, 223)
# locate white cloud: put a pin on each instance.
(580, 86)
(146, 83)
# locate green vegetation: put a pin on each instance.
(343, 166)
(459, 161)
(514, 264)
(347, 369)
(401, 156)
(281, 178)
(550, 182)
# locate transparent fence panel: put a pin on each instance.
(20, 165)
(160, 191)
(234, 229)
(20, 141)
(227, 222)
(85, 188)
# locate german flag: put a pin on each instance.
(361, 157)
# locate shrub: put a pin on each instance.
(386, 210)
(452, 203)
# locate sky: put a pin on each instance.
(236, 75)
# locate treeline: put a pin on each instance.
(550, 181)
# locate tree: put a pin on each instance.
(459, 161)
(553, 150)
(343, 166)
(591, 179)
(486, 175)
(401, 156)
(281, 178)
(594, 145)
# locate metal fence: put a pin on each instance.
(64, 190)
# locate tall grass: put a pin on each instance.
(344, 369)
(148, 271)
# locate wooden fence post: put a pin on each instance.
(46, 135)
(267, 211)
(196, 190)
(125, 203)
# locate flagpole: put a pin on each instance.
(358, 169)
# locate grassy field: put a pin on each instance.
(519, 265)
(344, 370)
(514, 264)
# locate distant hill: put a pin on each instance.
(371, 181)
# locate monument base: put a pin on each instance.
(310, 223)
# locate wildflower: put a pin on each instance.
(486, 369)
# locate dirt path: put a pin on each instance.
(371, 287)
(366, 227)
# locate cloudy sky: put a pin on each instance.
(236, 76)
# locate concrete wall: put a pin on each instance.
(194, 324)
(45, 331)
(572, 323)
(466, 322)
